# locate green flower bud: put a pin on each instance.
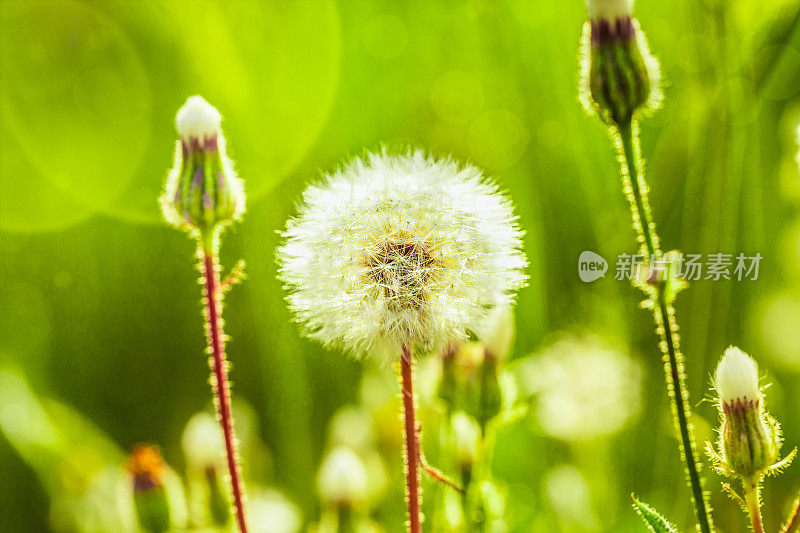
(470, 382)
(749, 439)
(619, 75)
(149, 494)
(202, 192)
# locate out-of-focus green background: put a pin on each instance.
(99, 305)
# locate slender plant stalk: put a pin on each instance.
(752, 499)
(412, 450)
(216, 343)
(635, 188)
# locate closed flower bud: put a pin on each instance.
(203, 192)
(149, 494)
(619, 75)
(470, 381)
(749, 439)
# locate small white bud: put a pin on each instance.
(736, 376)
(609, 9)
(467, 434)
(197, 119)
(202, 442)
(342, 479)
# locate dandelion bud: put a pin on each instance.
(618, 75)
(149, 494)
(470, 381)
(342, 480)
(203, 192)
(749, 439)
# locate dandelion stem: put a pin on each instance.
(221, 388)
(635, 188)
(412, 452)
(752, 498)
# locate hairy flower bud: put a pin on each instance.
(618, 75)
(202, 192)
(149, 494)
(749, 439)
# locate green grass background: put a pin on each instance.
(99, 305)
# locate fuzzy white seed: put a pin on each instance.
(609, 9)
(736, 376)
(197, 119)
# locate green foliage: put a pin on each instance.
(655, 522)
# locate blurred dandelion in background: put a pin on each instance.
(582, 388)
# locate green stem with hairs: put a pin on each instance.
(636, 190)
(752, 497)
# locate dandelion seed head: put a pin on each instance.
(400, 250)
(736, 377)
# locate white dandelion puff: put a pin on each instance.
(397, 251)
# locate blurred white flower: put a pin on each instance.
(352, 426)
(342, 479)
(270, 512)
(466, 437)
(400, 250)
(584, 388)
(202, 442)
(736, 377)
(570, 497)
